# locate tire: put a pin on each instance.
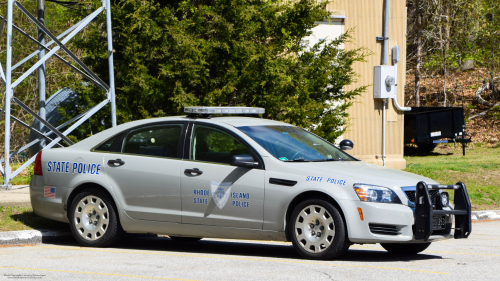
(405, 248)
(426, 147)
(93, 219)
(314, 216)
(185, 239)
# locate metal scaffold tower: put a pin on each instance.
(44, 52)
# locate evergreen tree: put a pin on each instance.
(172, 54)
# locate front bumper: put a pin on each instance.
(425, 211)
(398, 223)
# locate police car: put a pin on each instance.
(240, 177)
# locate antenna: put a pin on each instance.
(44, 52)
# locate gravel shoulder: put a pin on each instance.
(18, 195)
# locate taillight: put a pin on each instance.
(38, 164)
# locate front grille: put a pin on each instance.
(411, 195)
(384, 229)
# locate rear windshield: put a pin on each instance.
(294, 144)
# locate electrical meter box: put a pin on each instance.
(396, 54)
(384, 82)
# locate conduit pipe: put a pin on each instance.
(395, 102)
(395, 98)
(384, 62)
(386, 31)
(383, 130)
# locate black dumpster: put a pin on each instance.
(428, 126)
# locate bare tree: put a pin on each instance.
(418, 12)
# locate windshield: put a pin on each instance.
(293, 144)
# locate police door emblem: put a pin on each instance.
(220, 192)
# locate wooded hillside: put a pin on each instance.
(454, 59)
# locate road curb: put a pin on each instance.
(485, 215)
(30, 236)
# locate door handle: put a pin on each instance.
(117, 161)
(193, 171)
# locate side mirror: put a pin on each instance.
(346, 145)
(243, 160)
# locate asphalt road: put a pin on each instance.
(135, 258)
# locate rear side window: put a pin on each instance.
(106, 146)
(159, 140)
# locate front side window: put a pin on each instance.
(293, 144)
(213, 145)
(158, 140)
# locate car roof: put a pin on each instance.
(236, 121)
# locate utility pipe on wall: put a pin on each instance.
(394, 99)
(395, 102)
(383, 129)
(395, 59)
(384, 62)
(385, 34)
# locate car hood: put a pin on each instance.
(362, 172)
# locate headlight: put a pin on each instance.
(445, 199)
(373, 193)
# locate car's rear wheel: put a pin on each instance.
(317, 230)
(185, 239)
(405, 248)
(94, 219)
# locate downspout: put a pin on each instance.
(383, 130)
(385, 34)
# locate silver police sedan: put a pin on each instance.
(239, 177)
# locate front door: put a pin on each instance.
(214, 192)
(145, 174)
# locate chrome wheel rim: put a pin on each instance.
(314, 229)
(91, 218)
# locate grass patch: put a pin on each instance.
(23, 178)
(23, 218)
(19, 180)
(479, 169)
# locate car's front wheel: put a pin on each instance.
(317, 230)
(94, 219)
(405, 248)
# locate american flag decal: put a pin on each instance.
(49, 191)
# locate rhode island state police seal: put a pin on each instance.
(220, 192)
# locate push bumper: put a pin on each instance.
(425, 211)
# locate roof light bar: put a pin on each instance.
(223, 110)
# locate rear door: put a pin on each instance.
(214, 192)
(145, 172)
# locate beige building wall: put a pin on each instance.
(365, 18)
